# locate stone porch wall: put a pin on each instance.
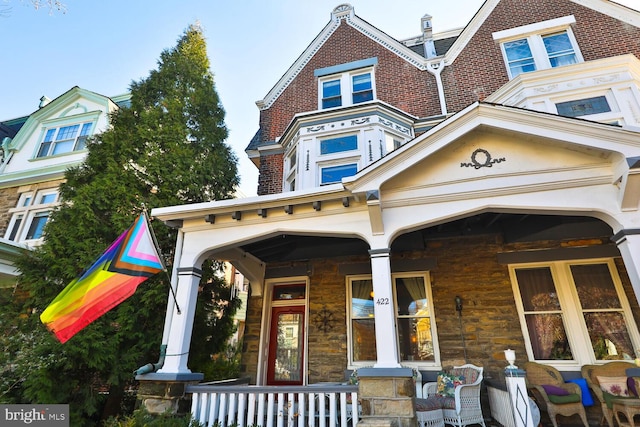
(467, 267)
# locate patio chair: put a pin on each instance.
(461, 406)
(611, 369)
(552, 394)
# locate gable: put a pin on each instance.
(75, 107)
(489, 161)
(602, 29)
(341, 16)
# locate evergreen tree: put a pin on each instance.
(166, 149)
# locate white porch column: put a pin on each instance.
(628, 242)
(182, 323)
(386, 337)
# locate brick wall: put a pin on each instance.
(467, 267)
(480, 70)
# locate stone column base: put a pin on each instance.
(387, 396)
(159, 394)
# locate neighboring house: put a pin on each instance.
(499, 163)
(36, 152)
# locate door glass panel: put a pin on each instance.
(288, 352)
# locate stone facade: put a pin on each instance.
(466, 266)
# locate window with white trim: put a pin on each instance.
(417, 337)
(31, 215)
(346, 89)
(64, 139)
(574, 312)
(539, 46)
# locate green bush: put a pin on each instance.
(142, 418)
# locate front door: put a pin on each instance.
(286, 346)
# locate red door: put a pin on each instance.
(286, 346)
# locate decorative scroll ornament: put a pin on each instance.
(324, 320)
(481, 158)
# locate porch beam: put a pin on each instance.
(630, 186)
(252, 268)
(375, 212)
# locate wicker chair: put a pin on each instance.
(571, 404)
(611, 369)
(466, 408)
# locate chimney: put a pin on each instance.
(427, 37)
(44, 100)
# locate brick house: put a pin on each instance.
(495, 166)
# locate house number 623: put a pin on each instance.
(382, 301)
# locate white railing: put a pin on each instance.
(319, 405)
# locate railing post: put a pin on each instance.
(517, 387)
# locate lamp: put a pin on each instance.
(458, 304)
(510, 355)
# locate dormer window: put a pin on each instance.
(64, 139)
(539, 46)
(346, 84)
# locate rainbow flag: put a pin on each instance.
(114, 277)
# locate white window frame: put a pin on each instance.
(77, 140)
(29, 207)
(420, 364)
(346, 86)
(534, 33)
(570, 308)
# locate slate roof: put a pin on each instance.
(11, 127)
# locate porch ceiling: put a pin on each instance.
(512, 227)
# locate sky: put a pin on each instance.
(103, 46)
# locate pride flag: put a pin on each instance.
(114, 277)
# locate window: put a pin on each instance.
(413, 308)
(539, 46)
(346, 89)
(64, 139)
(574, 311)
(31, 215)
(583, 107)
(338, 145)
(539, 52)
(331, 94)
(362, 90)
(331, 174)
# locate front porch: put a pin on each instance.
(326, 405)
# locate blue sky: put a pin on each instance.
(103, 46)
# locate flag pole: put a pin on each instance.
(164, 267)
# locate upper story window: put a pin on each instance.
(31, 215)
(64, 139)
(574, 312)
(539, 46)
(346, 84)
